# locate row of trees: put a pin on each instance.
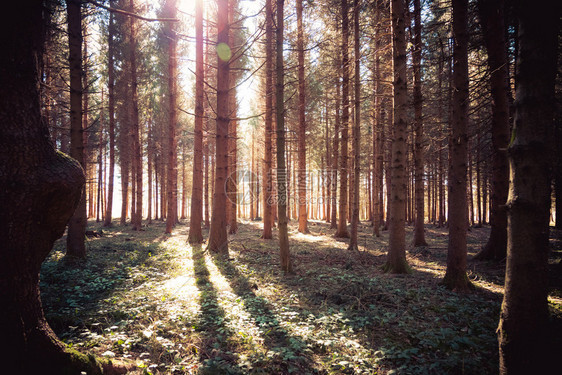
(138, 125)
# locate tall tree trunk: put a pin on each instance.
(136, 218)
(75, 240)
(492, 18)
(377, 152)
(267, 166)
(172, 157)
(342, 231)
(455, 276)
(356, 131)
(284, 252)
(335, 160)
(218, 241)
(40, 190)
(396, 261)
(523, 328)
(196, 217)
(232, 180)
(419, 233)
(303, 222)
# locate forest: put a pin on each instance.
(281, 187)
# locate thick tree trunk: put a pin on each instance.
(492, 19)
(342, 231)
(419, 233)
(356, 130)
(267, 165)
(172, 157)
(218, 241)
(396, 260)
(75, 240)
(40, 190)
(303, 222)
(196, 217)
(284, 252)
(523, 330)
(455, 276)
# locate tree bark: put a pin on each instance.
(419, 233)
(40, 190)
(523, 328)
(396, 259)
(492, 19)
(172, 157)
(284, 252)
(75, 240)
(267, 166)
(196, 217)
(356, 131)
(136, 217)
(218, 241)
(342, 231)
(301, 178)
(455, 275)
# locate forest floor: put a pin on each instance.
(153, 301)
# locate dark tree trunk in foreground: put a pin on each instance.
(455, 276)
(523, 331)
(40, 190)
(342, 231)
(356, 131)
(419, 233)
(267, 165)
(301, 178)
(396, 261)
(196, 217)
(492, 19)
(75, 240)
(172, 157)
(218, 241)
(284, 252)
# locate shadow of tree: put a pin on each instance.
(286, 352)
(217, 352)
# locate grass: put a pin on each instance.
(166, 307)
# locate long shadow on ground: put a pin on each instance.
(216, 353)
(287, 350)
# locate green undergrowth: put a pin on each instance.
(153, 300)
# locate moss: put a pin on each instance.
(78, 362)
(401, 268)
(457, 282)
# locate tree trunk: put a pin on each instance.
(396, 260)
(356, 131)
(455, 276)
(284, 252)
(301, 178)
(218, 241)
(40, 190)
(136, 218)
(419, 233)
(267, 166)
(172, 157)
(335, 160)
(196, 216)
(342, 231)
(523, 328)
(75, 240)
(492, 19)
